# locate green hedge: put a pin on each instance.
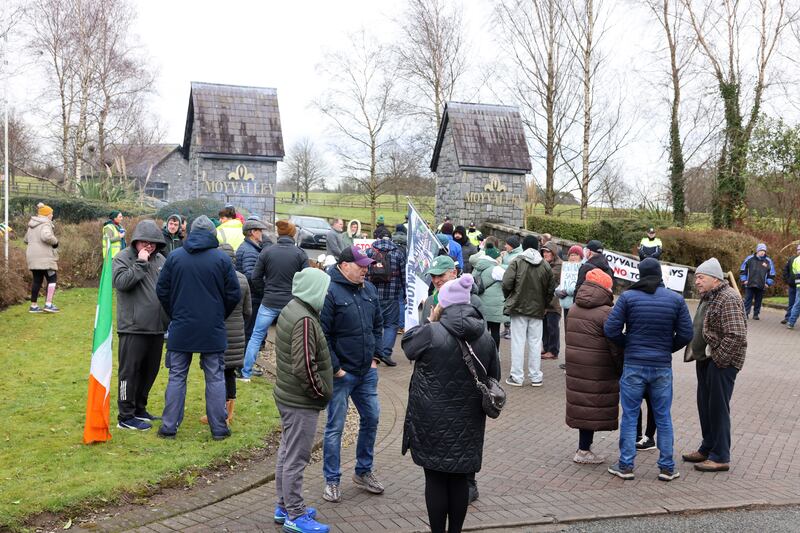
(190, 209)
(71, 210)
(622, 235)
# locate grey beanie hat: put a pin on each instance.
(711, 268)
(204, 223)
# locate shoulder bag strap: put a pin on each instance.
(469, 359)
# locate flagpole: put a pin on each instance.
(5, 141)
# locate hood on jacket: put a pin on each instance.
(358, 231)
(38, 220)
(532, 256)
(147, 230)
(311, 286)
(591, 295)
(199, 240)
(463, 321)
(384, 245)
(553, 247)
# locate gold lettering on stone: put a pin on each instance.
(241, 173)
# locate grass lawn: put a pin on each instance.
(782, 300)
(44, 465)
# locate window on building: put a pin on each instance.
(157, 190)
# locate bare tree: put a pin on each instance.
(50, 22)
(431, 55)
(122, 77)
(604, 129)
(612, 188)
(403, 164)
(720, 27)
(538, 44)
(305, 166)
(670, 17)
(363, 108)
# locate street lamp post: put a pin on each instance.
(7, 229)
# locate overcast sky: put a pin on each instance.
(280, 44)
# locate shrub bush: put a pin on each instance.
(13, 285)
(190, 209)
(693, 247)
(622, 235)
(72, 210)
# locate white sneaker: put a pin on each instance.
(537, 383)
(587, 458)
(513, 382)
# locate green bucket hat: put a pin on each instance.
(440, 265)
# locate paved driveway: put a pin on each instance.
(528, 476)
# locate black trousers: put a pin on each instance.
(551, 335)
(585, 439)
(250, 324)
(447, 498)
(139, 362)
(650, 430)
(38, 278)
(714, 391)
(230, 383)
(494, 329)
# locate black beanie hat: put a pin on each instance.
(530, 242)
(649, 267)
(513, 241)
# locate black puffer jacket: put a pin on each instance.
(445, 422)
(234, 325)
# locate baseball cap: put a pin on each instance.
(595, 246)
(354, 255)
(651, 230)
(440, 265)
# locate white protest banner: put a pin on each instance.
(569, 274)
(422, 248)
(628, 269)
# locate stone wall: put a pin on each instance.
(174, 171)
(254, 190)
(467, 196)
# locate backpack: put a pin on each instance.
(381, 270)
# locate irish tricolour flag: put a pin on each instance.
(98, 401)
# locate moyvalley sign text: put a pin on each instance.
(250, 188)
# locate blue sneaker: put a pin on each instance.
(304, 524)
(280, 514)
(147, 417)
(135, 424)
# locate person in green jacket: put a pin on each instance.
(303, 387)
(528, 286)
(486, 270)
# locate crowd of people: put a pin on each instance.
(216, 289)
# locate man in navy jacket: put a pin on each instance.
(352, 321)
(656, 323)
(198, 289)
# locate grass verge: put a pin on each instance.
(43, 399)
(780, 300)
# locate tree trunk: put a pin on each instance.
(550, 149)
(587, 108)
(677, 163)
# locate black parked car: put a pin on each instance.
(311, 231)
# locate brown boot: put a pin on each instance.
(711, 466)
(694, 457)
(204, 419)
(230, 405)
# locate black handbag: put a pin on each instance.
(493, 397)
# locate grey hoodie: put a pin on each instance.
(138, 308)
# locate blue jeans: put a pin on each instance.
(792, 297)
(795, 310)
(635, 381)
(213, 365)
(364, 392)
(391, 322)
(266, 316)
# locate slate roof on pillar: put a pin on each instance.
(234, 120)
(488, 137)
